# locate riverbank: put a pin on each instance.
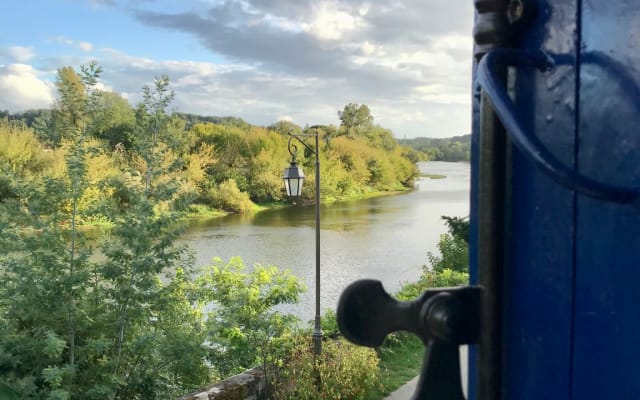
(201, 213)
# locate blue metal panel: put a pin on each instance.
(606, 317)
(539, 272)
(473, 228)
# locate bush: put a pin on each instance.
(228, 196)
(244, 327)
(329, 324)
(342, 371)
(448, 268)
(454, 255)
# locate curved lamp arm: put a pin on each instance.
(528, 143)
(292, 147)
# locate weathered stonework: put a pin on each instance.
(245, 386)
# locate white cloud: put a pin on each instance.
(20, 54)
(307, 59)
(85, 46)
(302, 61)
(368, 48)
(25, 88)
(64, 40)
(82, 45)
(102, 87)
(330, 23)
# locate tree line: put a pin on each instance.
(216, 162)
(456, 148)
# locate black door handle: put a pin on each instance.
(443, 318)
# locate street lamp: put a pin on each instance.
(293, 179)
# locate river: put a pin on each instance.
(385, 238)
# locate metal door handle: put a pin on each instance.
(442, 318)
(528, 143)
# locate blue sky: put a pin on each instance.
(260, 60)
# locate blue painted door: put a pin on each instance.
(570, 306)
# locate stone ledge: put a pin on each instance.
(245, 386)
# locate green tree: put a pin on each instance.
(354, 118)
(46, 267)
(73, 97)
(457, 148)
(115, 121)
(244, 327)
(285, 127)
(72, 328)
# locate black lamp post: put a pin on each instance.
(293, 179)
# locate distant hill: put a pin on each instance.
(457, 148)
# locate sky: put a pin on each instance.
(409, 61)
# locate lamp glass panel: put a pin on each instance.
(294, 184)
(287, 187)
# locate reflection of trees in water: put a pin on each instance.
(348, 215)
(343, 216)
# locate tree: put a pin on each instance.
(115, 121)
(76, 328)
(453, 247)
(285, 127)
(354, 118)
(244, 327)
(72, 103)
(46, 267)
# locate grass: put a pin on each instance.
(202, 212)
(400, 361)
(433, 176)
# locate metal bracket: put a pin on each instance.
(498, 22)
(442, 318)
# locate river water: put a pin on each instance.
(384, 238)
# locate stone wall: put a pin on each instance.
(245, 386)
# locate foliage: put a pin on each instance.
(329, 324)
(227, 196)
(453, 247)
(75, 327)
(127, 317)
(285, 127)
(454, 255)
(450, 267)
(355, 118)
(457, 148)
(244, 328)
(20, 151)
(342, 371)
(193, 119)
(458, 227)
(400, 359)
(198, 156)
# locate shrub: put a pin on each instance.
(448, 268)
(342, 371)
(244, 327)
(329, 324)
(228, 196)
(454, 255)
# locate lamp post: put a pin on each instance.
(293, 179)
